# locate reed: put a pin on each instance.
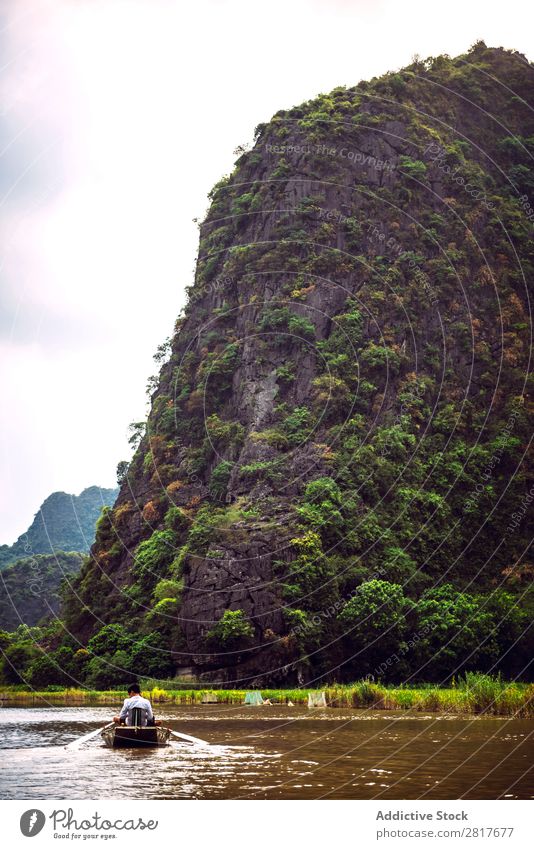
(490, 694)
(476, 693)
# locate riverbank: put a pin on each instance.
(478, 694)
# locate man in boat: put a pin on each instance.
(136, 701)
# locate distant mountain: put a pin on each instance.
(63, 523)
(29, 588)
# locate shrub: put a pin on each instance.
(375, 622)
(367, 694)
(153, 557)
(483, 691)
(331, 396)
(150, 512)
(44, 671)
(233, 631)
(281, 318)
(456, 632)
(397, 84)
(101, 674)
(321, 507)
(301, 326)
(220, 477)
(168, 589)
(176, 519)
(105, 534)
(296, 619)
(310, 577)
(380, 357)
(296, 425)
(223, 432)
(110, 639)
(202, 529)
(122, 471)
(412, 167)
(151, 656)
(165, 620)
(399, 566)
(286, 373)
(80, 659)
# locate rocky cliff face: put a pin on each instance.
(345, 399)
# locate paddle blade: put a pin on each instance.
(190, 739)
(78, 742)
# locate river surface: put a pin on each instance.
(268, 752)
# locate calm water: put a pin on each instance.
(271, 753)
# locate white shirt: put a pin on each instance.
(136, 701)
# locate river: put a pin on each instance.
(269, 752)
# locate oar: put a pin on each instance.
(189, 739)
(87, 737)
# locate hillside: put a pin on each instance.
(29, 588)
(334, 475)
(63, 523)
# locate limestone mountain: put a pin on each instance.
(30, 587)
(334, 468)
(63, 523)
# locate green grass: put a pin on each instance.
(475, 694)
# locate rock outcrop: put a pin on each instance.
(345, 398)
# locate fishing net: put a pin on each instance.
(209, 698)
(316, 700)
(253, 698)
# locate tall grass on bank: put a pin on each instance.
(474, 694)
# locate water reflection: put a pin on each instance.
(273, 752)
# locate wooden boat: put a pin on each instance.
(135, 736)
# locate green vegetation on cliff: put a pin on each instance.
(333, 478)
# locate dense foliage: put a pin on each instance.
(30, 588)
(333, 480)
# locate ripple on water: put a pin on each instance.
(273, 753)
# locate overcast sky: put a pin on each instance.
(117, 118)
